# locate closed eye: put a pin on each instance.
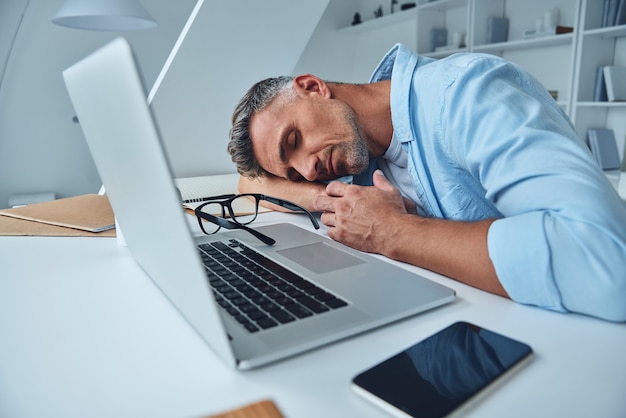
(293, 140)
(287, 145)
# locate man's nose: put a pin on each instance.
(310, 168)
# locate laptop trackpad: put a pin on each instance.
(320, 257)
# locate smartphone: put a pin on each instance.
(444, 374)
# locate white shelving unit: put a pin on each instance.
(453, 15)
(597, 46)
(565, 62)
(549, 58)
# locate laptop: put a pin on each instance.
(353, 291)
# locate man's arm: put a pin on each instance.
(374, 219)
(301, 192)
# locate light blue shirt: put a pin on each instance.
(486, 140)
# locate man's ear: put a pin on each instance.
(309, 84)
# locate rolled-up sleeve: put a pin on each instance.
(561, 243)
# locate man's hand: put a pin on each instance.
(376, 219)
(360, 216)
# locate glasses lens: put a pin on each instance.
(214, 209)
(245, 209)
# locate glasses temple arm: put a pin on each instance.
(292, 206)
(225, 223)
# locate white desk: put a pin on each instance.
(85, 333)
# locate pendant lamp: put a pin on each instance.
(104, 15)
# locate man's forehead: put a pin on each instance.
(264, 124)
(266, 135)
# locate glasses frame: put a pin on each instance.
(225, 201)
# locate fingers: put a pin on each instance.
(380, 182)
(324, 202)
(328, 219)
(336, 189)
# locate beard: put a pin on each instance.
(353, 148)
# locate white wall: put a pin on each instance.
(330, 54)
(41, 149)
(232, 45)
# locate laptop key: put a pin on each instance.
(312, 304)
(282, 316)
(269, 307)
(250, 327)
(298, 310)
(257, 315)
(266, 323)
(336, 303)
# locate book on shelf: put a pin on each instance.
(599, 89)
(615, 81)
(620, 17)
(613, 13)
(196, 190)
(497, 30)
(604, 148)
(438, 37)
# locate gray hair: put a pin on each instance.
(257, 98)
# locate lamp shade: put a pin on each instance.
(104, 15)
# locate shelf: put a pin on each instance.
(608, 32)
(545, 41)
(442, 5)
(379, 22)
(602, 105)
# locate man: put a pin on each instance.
(480, 176)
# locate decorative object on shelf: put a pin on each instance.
(356, 19)
(615, 80)
(407, 6)
(378, 12)
(458, 40)
(551, 19)
(613, 13)
(497, 30)
(554, 94)
(564, 29)
(393, 4)
(547, 25)
(604, 148)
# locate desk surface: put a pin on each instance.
(84, 332)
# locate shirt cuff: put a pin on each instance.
(520, 254)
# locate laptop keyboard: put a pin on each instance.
(256, 291)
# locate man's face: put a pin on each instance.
(310, 138)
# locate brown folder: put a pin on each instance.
(86, 215)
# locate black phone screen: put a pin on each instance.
(439, 374)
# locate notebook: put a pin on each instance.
(109, 99)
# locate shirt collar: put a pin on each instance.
(398, 65)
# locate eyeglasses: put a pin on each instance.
(215, 211)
